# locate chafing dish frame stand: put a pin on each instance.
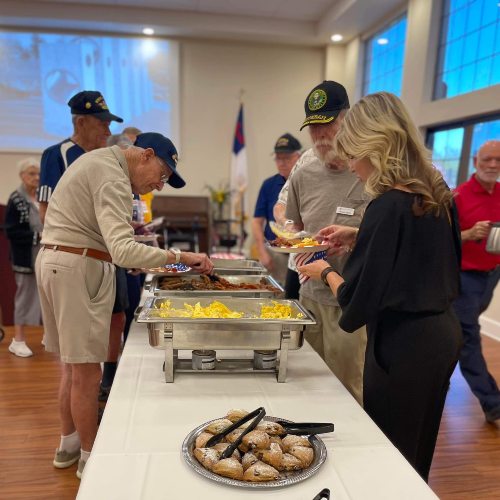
(173, 363)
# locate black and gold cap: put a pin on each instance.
(91, 102)
(287, 143)
(325, 102)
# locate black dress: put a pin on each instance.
(400, 281)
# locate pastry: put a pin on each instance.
(277, 440)
(272, 456)
(220, 447)
(202, 439)
(290, 463)
(272, 428)
(234, 435)
(229, 467)
(260, 472)
(304, 454)
(218, 425)
(207, 457)
(256, 439)
(235, 415)
(291, 440)
(248, 460)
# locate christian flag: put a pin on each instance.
(239, 174)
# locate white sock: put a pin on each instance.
(84, 455)
(14, 341)
(70, 443)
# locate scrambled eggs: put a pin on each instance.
(278, 311)
(214, 310)
(306, 242)
(218, 310)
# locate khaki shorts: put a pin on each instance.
(76, 295)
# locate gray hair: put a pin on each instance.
(119, 140)
(23, 165)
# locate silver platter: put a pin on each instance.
(286, 478)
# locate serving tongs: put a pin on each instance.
(257, 415)
(286, 234)
(306, 428)
(324, 494)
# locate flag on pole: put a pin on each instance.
(239, 173)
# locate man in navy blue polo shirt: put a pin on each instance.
(91, 119)
(286, 153)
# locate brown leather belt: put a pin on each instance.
(89, 252)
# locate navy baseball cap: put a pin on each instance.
(91, 102)
(287, 144)
(325, 102)
(164, 149)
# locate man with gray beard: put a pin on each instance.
(321, 192)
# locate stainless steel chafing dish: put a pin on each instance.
(253, 279)
(236, 266)
(247, 333)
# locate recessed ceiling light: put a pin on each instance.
(382, 41)
(148, 31)
(337, 38)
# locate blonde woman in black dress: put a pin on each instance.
(401, 277)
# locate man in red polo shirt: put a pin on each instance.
(478, 204)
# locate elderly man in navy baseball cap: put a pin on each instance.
(165, 150)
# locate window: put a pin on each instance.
(469, 48)
(384, 53)
(137, 76)
(453, 147)
(446, 151)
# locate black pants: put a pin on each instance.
(292, 285)
(409, 361)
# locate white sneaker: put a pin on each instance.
(20, 349)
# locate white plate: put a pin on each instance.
(168, 269)
(312, 248)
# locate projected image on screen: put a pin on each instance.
(138, 78)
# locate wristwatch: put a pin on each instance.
(326, 271)
(177, 254)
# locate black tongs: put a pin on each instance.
(306, 429)
(257, 415)
(323, 494)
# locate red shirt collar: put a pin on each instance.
(478, 188)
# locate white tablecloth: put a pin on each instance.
(137, 453)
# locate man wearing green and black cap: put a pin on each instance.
(286, 153)
(321, 191)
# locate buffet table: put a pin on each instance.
(137, 453)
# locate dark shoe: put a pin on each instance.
(103, 394)
(493, 416)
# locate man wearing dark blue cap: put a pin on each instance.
(286, 153)
(91, 118)
(87, 230)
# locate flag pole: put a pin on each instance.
(242, 196)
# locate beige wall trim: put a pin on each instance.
(490, 327)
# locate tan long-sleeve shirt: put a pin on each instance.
(91, 207)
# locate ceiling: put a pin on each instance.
(305, 22)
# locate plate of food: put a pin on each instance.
(167, 269)
(267, 457)
(302, 245)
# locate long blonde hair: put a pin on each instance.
(379, 128)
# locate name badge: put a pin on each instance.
(345, 211)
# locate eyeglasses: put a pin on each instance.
(165, 177)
